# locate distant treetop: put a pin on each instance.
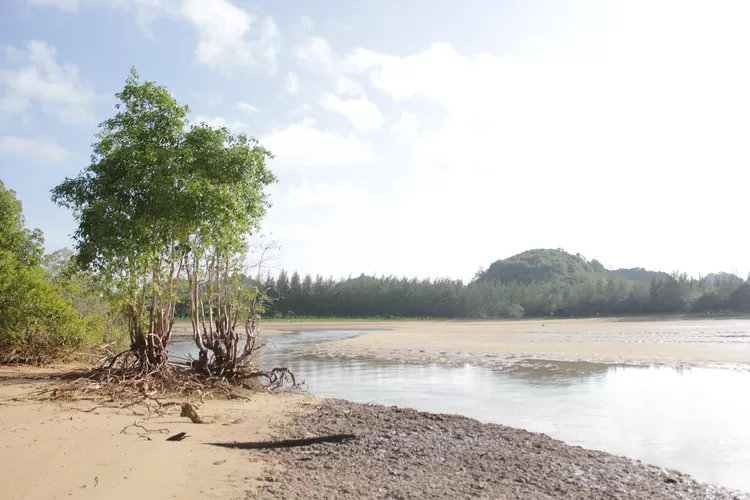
(547, 265)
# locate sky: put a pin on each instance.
(422, 137)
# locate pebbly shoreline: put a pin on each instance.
(405, 454)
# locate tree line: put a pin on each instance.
(389, 296)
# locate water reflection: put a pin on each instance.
(558, 373)
(693, 420)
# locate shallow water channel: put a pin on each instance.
(695, 420)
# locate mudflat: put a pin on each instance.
(404, 454)
(679, 341)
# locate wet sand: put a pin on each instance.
(406, 454)
(678, 341)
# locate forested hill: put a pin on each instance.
(540, 266)
(533, 284)
(547, 266)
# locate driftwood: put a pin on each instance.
(138, 425)
(189, 412)
(177, 437)
(287, 443)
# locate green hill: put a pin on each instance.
(545, 265)
(541, 265)
(638, 274)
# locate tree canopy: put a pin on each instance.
(162, 196)
(18, 242)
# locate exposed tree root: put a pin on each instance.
(125, 381)
(276, 378)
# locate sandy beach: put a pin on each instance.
(611, 340)
(52, 450)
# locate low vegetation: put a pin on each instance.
(47, 312)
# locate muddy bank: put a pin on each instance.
(403, 453)
(613, 341)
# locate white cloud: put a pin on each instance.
(561, 136)
(36, 78)
(246, 107)
(12, 104)
(407, 124)
(646, 140)
(347, 86)
(224, 34)
(68, 5)
(291, 84)
(218, 122)
(304, 145)
(316, 52)
(544, 117)
(269, 43)
(41, 150)
(339, 195)
(229, 36)
(306, 25)
(363, 114)
(308, 216)
(407, 77)
(303, 109)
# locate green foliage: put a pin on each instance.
(124, 201)
(739, 300)
(40, 317)
(587, 295)
(36, 319)
(222, 196)
(161, 198)
(539, 266)
(127, 208)
(543, 265)
(103, 325)
(152, 185)
(17, 241)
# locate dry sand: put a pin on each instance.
(610, 340)
(49, 450)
